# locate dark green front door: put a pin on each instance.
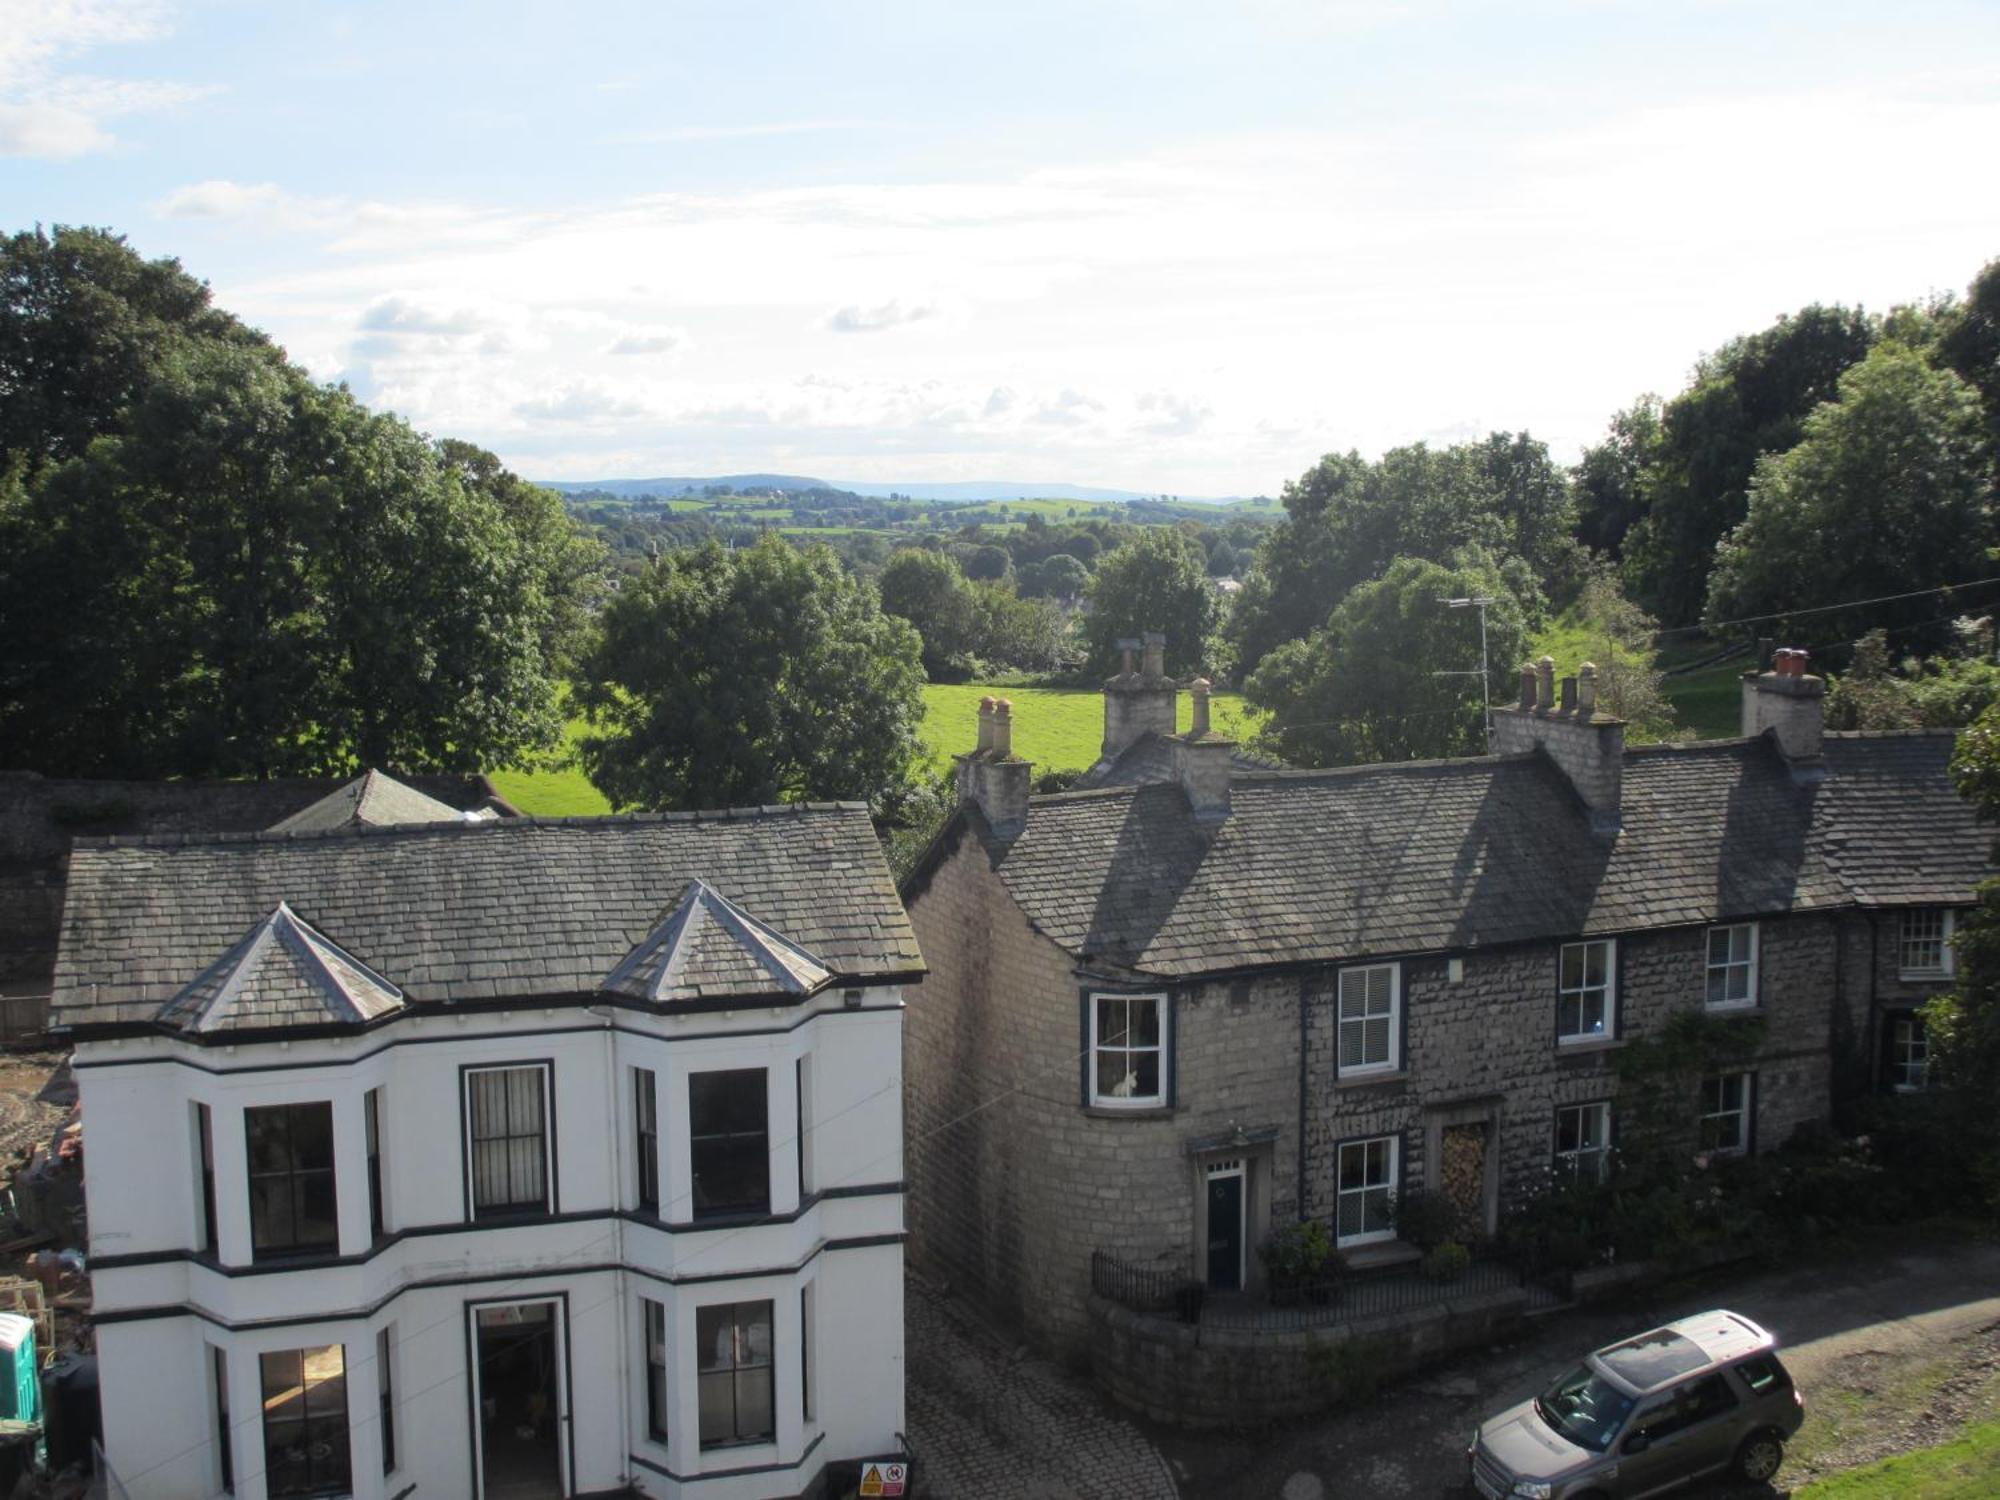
(1225, 1232)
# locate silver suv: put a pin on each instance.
(1703, 1396)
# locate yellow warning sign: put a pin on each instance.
(885, 1480)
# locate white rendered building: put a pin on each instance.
(511, 1159)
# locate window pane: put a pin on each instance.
(1145, 1075)
(1572, 966)
(754, 1405)
(714, 1334)
(317, 1223)
(312, 1136)
(718, 1407)
(1145, 1022)
(1593, 965)
(271, 1226)
(1112, 1023)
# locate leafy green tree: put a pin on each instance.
(257, 576)
(927, 589)
(1943, 692)
(763, 675)
(1157, 582)
(1347, 518)
(1964, 1025)
(1970, 344)
(85, 325)
(1064, 577)
(987, 564)
(1368, 685)
(1749, 398)
(1611, 478)
(1885, 493)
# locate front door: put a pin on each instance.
(520, 1400)
(1225, 1227)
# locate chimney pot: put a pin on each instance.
(1527, 685)
(1156, 654)
(986, 723)
(1003, 728)
(1586, 689)
(1126, 647)
(1765, 646)
(1198, 690)
(1545, 683)
(1569, 695)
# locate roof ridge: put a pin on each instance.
(764, 813)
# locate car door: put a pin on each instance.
(1708, 1436)
(1649, 1457)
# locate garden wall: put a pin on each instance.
(1246, 1377)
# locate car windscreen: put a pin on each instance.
(1585, 1408)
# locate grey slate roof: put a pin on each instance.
(1315, 866)
(513, 908)
(1151, 758)
(374, 798)
(281, 974)
(710, 947)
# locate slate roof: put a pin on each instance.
(374, 798)
(710, 947)
(1315, 866)
(1150, 758)
(492, 911)
(281, 974)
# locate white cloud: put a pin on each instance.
(401, 315)
(649, 341)
(581, 402)
(895, 313)
(48, 111)
(677, 134)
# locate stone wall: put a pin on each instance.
(1207, 1377)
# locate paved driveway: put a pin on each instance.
(988, 1423)
(1410, 1443)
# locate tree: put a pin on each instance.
(763, 675)
(1064, 577)
(1157, 582)
(1971, 345)
(1749, 398)
(1885, 493)
(257, 576)
(927, 589)
(85, 325)
(1367, 686)
(1963, 1025)
(987, 564)
(1611, 477)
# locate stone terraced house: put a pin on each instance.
(501, 1158)
(1196, 998)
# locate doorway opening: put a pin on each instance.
(1226, 1205)
(518, 1389)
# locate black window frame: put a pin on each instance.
(653, 1349)
(218, 1364)
(471, 1102)
(371, 1126)
(300, 1181)
(385, 1392)
(717, 1137)
(805, 1353)
(204, 1147)
(329, 1474)
(708, 1373)
(646, 1137)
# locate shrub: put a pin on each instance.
(1297, 1253)
(1447, 1262)
(1426, 1220)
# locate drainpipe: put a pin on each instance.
(1300, 1150)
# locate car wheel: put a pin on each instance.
(1759, 1457)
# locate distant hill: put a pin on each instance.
(970, 491)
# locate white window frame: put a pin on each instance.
(1743, 1115)
(1610, 992)
(1947, 920)
(1913, 1048)
(1162, 1046)
(1731, 964)
(1387, 1186)
(1392, 1060)
(1598, 1157)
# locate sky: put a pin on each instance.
(1162, 246)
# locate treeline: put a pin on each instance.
(1835, 458)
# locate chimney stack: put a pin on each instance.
(1789, 704)
(992, 777)
(1566, 723)
(1202, 761)
(1139, 703)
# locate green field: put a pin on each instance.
(1056, 728)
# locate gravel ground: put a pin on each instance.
(23, 1121)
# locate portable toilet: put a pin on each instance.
(20, 1370)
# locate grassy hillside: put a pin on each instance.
(1056, 728)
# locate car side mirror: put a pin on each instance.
(1638, 1442)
